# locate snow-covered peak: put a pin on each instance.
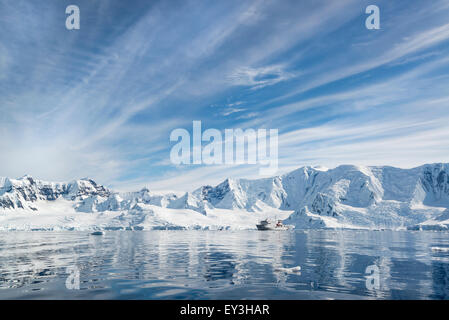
(320, 168)
(84, 187)
(5, 183)
(348, 195)
(23, 192)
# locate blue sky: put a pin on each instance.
(101, 101)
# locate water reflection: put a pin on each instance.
(214, 264)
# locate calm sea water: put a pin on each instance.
(224, 265)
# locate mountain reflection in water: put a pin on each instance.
(224, 265)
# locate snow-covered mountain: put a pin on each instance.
(344, 197)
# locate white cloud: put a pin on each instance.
(230, 111)
(259, 77)
(70, 112)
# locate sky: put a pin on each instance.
(101, 101)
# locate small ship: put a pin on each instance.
(267, 225)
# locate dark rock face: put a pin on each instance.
(323, 205)
(435, 181)
(49, 193)
(215, 195)
(27, 193)
(6, 204)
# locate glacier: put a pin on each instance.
(348, 196)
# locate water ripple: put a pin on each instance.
(218, 265)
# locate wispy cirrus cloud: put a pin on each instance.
(102, 101)
(257, 78)
(230, 111)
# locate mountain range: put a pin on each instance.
(348, 196)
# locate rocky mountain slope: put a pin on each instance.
(344, 197)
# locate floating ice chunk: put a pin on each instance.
(296, 269)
